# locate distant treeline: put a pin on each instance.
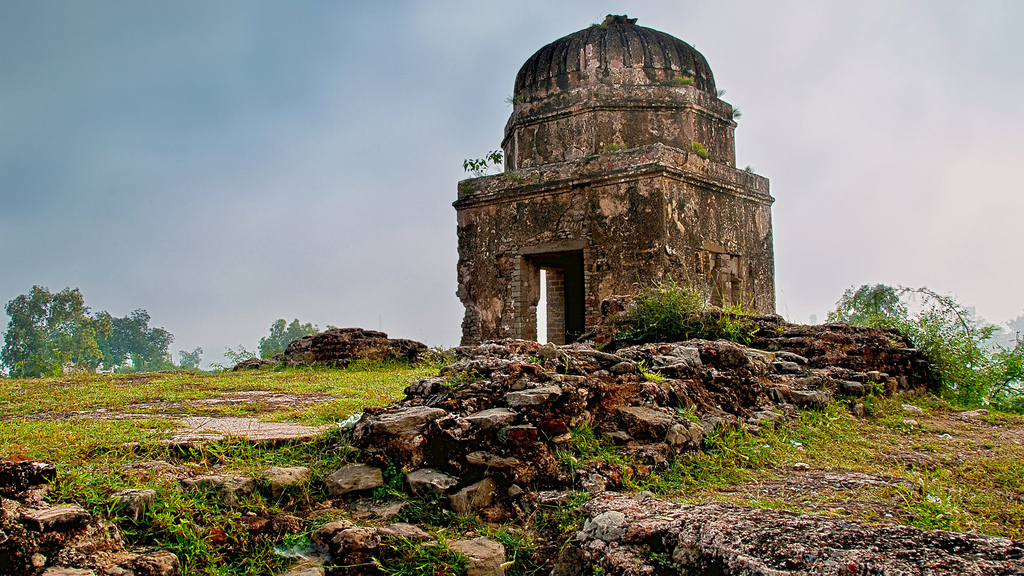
(50, 334)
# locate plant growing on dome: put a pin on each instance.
(683, 81)
(479, 166)
(615, 146)
(735, 113)
(699, 149)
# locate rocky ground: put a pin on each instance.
(559, 446)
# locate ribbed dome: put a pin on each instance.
(618, 52)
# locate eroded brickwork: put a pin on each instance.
(619, 172)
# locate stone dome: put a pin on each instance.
(614, 52)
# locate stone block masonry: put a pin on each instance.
(604, 190)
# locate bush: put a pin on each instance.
(670, 312)
(972, 368)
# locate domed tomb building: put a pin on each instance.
(620, 171)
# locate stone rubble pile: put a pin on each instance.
(337, 347)
(39, 537)
(492, 429)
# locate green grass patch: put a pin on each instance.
(673, 312)
(361, 384)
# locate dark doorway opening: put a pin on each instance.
(564, 291)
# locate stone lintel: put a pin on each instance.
(554, 247)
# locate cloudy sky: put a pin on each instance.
(222, 164)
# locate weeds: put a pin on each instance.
(683, 81)
(670, 312)
(699, 149)
(479, 166)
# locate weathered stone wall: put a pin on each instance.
(624, 118)
(636, 217)
(604, 181)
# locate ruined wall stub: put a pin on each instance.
(603, 188)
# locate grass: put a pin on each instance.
(973, 489)
(976, 486)
(98, 455)
(362, 384)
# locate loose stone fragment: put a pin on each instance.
(405, 421)
(19, 475)
(228, 487)
(159, 563)
(814, 398)
(492, 418)
(354, 478)
(485, 556)
(474, 497)
(491, 460)
(402, 530)
(280, 479)
(854, 388)
(533, 396)
(134, 502)
(426, 479)
(56, 519)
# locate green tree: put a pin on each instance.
(282, 334)
(48, 331)
(131, 338)
(190, 360)
(877, 306)
(972, 367)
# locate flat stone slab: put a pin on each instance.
(728, 539)
(56, 519)
(201, 429)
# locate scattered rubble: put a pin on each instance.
(37, 537)
(490, 436)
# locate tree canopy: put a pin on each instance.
(131, 339)
(50, 332)
(281, 335)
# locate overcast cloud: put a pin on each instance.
(223, 164)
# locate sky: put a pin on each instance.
(223, 164)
